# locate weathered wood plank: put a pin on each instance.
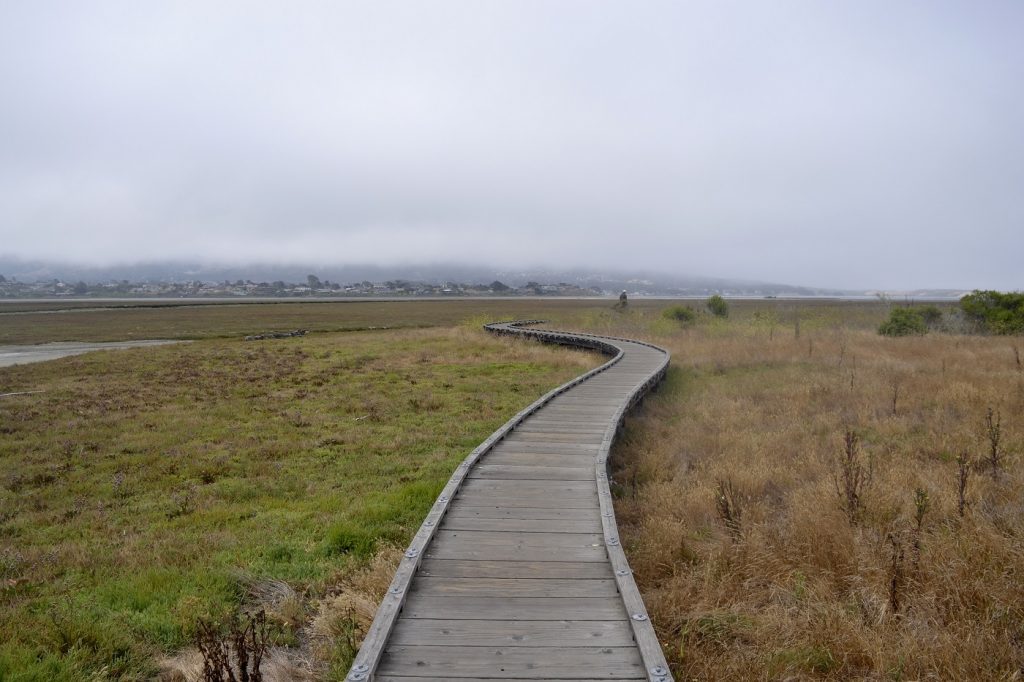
(402, 678)
(562, 488)
(514, 587)
(503, 633)
(545, 446)
(590, 437)
(540, 420)
(452, 662)
(584, 472)
(538, 459)
(460, 510)
(514, 569)
(535, 501)
(514, 608)
(548, 448)
(568, 409)
(483, 538)
(539, 498)
(532, 426)
(562, 525)
(452, 549)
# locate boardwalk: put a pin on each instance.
(517, 572)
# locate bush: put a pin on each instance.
(680, 313)
(931, 315)
(904, 322)
(995, 312)
(717, 306)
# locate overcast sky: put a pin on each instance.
(852, 144)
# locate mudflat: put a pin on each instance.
(21, 355)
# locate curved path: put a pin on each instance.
(517, 573)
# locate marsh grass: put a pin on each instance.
(148, 490)
(925, 585)
(23, 323)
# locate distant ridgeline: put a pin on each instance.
(313, 286)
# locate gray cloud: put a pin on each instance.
(836, 144)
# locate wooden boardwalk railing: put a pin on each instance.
(517, 572)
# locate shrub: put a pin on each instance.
(930, 314)
(904, 322)
(680, 313)
(717, 306)
(995, 312)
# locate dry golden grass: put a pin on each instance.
(800, 591)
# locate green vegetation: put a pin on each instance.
(717, 306)
(911, 321)
(143, 490)
(995, 312)
(904, 322)
(22, 322)
(680, 313)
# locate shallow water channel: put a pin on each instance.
(20, 355)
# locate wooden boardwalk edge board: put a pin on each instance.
(367, 660)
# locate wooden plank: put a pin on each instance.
(514, 608)
(590, 525)
(527, 449)
(529, 498)
(584, 410)
(569, 440)
(568, 417)
(514, 587)
(556, 437)
(484, 538)
(453, 549)
(538, 446)
(563, 489)
(461, 510)
(540, 502)
(402, 678)
(503, 633)
(532, 473)
(514, 569)
(513, 449)
(541, 420)
(537, 459)
(538, 498)
(531, 426)
(450, 662)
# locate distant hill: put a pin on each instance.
(636, 282)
